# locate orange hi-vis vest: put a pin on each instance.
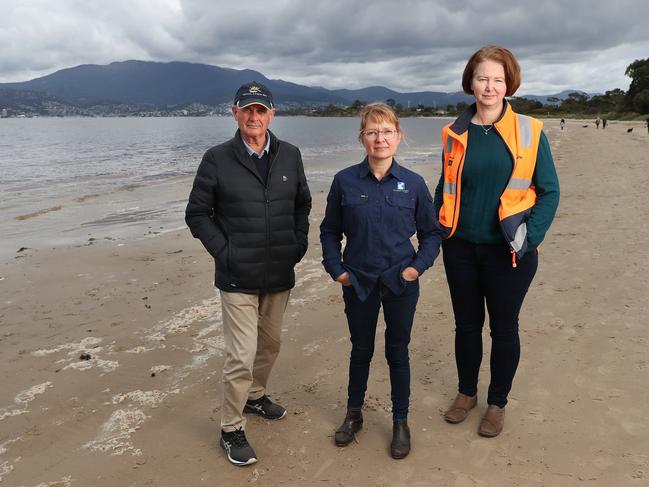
(521, 135)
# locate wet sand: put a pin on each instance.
(141, 407)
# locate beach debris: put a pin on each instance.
(63, 482)
(22, 399)
(156, 369)
(85, 356)
(105, 365)
(115, 435)
(144, 398)
(175, 252)
(22, 249)
(89, 342)
(38, 213)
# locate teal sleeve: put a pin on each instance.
(546, 183)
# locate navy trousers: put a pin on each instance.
(362, 316)
(479, 275)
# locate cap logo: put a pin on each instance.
(255, 89)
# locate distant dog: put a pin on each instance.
(628, 131)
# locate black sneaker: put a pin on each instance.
(265, 407)
(236, 445)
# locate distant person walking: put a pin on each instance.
(597, 122)
(562, 124)
(648, 125)
(250, 207)
(604, 122)
(496, 199)
(377, 206)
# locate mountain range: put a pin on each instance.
(156, 85)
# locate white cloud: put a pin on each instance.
(407, 46)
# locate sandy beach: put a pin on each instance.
(111, 359)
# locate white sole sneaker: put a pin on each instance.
(238, 463)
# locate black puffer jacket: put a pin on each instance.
(256, 232)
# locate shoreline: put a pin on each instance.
(144, 408)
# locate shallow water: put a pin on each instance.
(76, 180)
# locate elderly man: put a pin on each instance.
(249, 207)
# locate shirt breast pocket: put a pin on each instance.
(355, 212)
(401, 209)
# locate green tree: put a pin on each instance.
(575, 103)
(525, 105)
(641, 102)
(357, 105)
(638, 71)
(611, 101)
(390, 102)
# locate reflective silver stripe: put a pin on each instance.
(519, 238)
(449, 188)
(525, 127)
(449, 144)
(519, 183)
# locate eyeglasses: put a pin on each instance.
(374, 134)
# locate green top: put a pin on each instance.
(487, 168)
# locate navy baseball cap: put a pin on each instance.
(253, 93)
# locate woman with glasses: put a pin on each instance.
(496, 199)
(378, 205)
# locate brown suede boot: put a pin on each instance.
(460, 408)
(492, 422)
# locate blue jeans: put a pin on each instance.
(399, 312)
(479, 274)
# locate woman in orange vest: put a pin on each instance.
(495, 200)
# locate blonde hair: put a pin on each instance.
(378, 112)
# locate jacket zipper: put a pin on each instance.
(267, 214)
(511, 249)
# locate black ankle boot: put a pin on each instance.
(400, 446)
(345, 434)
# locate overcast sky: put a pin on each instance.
(403, 45)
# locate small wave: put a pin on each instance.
(125, 217)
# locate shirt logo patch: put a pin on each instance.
(401, 187)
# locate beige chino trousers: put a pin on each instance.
(252, 325)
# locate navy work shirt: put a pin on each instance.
(378, 218)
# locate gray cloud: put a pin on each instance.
(407, 45)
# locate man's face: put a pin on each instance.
(253, 120)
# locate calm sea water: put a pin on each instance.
(77, 180)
